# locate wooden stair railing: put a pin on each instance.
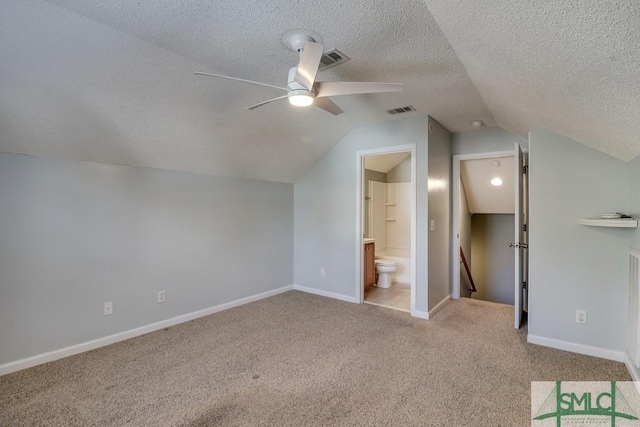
(466, 267)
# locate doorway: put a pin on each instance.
(489, 238)
(385, 249)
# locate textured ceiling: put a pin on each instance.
(113, 81)
(572, 66)
(482, 197)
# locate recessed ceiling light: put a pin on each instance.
(496, 182)
(494, 163)
(476, 123)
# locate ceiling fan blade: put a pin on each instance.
(253, 107)
(240, 80)
(308, 65)
(323, 89)
(327, 105)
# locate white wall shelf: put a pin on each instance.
(618, 222)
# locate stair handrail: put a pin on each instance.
(466, 267)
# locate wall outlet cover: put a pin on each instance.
(162, 296)
(108, 308)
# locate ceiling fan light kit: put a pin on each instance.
(300, 97)
(302, 88)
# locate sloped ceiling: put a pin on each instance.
(384, 162)
(113, 82)
(482, 197)
(572, 66)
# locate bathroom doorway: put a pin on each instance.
(386, 228)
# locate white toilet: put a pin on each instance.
(385, 268)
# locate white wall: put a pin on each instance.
(76, 234)
(486, 140)
(573, 266)
(493, 269)
(439, 254)
(325, 210)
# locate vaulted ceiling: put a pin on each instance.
(113, 82)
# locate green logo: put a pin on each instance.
(586, 403)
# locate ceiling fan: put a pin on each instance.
(302, 88)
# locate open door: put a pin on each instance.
(518, 244)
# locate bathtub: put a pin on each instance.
(403, 258)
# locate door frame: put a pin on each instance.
(455, 214)
(360, 156)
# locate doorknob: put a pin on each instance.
(519, 245)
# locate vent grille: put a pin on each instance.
(633, 314)
(401, 110)
(331, 59)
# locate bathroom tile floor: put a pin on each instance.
(398, 296)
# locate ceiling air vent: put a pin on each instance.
(332, 58)
(401, 110)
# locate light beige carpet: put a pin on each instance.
(297, 359)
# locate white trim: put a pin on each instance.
(420, 314)
(439, 306)
(633, 371)
(325, 294)
(387, 306)
(360, 155)
(455, 215)
(50, 356)
(588, 350)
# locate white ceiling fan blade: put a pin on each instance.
(323, 89)
(253, 107)
(308, 65)
(240, 80)
(327, 105)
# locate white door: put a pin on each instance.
(518, 245)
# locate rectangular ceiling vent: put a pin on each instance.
(331, 59)
(401, 110)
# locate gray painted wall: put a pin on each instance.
(370, 175)
(439, 211)
(76, 234)
(325, 209)
(574, 266)
(493, 267)
(634, 199)
(401, 173)
(486, 140)
(464, 219)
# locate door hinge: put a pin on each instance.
(524, 285)
(525, 169)
(524, 227)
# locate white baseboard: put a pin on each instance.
(603, 353)
(325, 294)
(420, 314)
(633, 371)
(439, 306)
(39, 359)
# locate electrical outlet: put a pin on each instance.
(162, 296)
(432, 225)
(322, 272)
(108, 308)
(581, 316)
